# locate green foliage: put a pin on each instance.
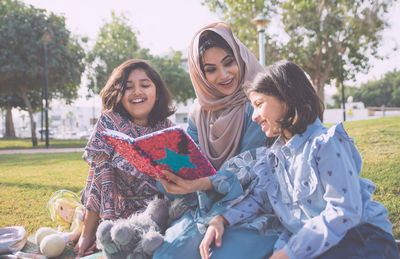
(316, 30)
(22, 53)
(16, 101)
(385, 91)
(116, 43)
(173, 74)
(239, 13)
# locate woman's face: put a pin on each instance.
(267, 111)
(221, 70)
(139, 97)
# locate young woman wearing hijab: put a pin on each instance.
(220, 122)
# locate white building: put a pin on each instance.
(72, 121)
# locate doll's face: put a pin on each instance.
(65, 212)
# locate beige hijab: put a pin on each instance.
(219, 118)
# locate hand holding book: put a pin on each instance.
(168, 149)
(178, 185)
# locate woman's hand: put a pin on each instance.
(281, 254)
(178, 185)
(214, 232)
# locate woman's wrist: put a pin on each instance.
(203, 184)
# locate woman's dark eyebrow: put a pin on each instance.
(141, 80)
(227, 56)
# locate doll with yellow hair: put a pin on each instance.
(65, 209)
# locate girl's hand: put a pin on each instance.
(279, 255)
(178, 185)
(86, 245)
(215, 231)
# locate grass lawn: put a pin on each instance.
(25, 143)
(28, 180)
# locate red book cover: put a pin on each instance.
(171, 148)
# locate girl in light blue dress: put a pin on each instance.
(310, 177)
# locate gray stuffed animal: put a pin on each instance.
(141, 234)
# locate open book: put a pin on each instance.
(171, 149)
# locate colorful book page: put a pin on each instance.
(170, 149)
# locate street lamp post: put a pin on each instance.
(341, 51)
(46, 39)
(41, 116)
(260, 21)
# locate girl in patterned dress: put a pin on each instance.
(135, 101)
(309, 177)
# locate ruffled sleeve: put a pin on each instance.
(234, 181)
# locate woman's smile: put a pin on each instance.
(221, 70)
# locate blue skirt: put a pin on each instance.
(183, 238)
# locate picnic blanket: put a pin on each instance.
(31, 247)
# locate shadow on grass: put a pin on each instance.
(30, 186)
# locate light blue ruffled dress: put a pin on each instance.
(235, 180)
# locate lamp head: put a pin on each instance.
(46, 35)
(260, 21)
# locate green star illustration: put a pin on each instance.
(175, 160)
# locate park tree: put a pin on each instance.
(22, 57)
(321, 36)
(384, 91)
(7, 102)
(174, 75)
(116, 43)
(10, 101)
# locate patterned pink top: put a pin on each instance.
(114, 188)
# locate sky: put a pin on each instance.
(170, 24)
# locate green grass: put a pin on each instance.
(25, 143)
(28, 180)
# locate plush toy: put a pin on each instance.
(64, 208)
(141, 234)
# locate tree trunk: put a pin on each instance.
(321, 91)
(319, 86)
(23, 95)
(10, 130)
